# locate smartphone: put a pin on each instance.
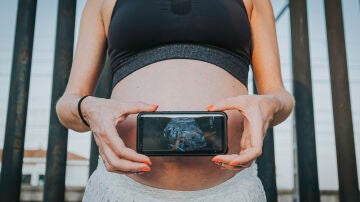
(166, 133)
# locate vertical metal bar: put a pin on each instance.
(12, 157)
(266, 164)
(57, 145)
(103, 89)
(344, 134)
(304, 112)
(94, 154)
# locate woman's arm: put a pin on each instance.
(273, 104)
(101, 114)
(266, 63)
(86, 67)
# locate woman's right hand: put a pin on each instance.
(103, 115)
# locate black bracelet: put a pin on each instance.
(79, 110)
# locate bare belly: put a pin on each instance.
(181, 84)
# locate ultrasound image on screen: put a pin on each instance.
(182, 134)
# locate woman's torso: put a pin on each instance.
(180, 84)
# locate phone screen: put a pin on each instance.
(177, 133)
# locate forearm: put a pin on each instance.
(278, 106)
(66, 109)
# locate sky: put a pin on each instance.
(42, 68)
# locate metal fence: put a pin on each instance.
(307, 183)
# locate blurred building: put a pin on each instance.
(34, 164)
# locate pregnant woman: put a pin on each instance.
(171, 55)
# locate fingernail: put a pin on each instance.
(145, 169)
(148, 163)
(233, 163)
(154, 105)
(215, 159)
(210, 107)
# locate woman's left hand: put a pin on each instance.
(258, 111)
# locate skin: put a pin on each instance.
(190, 85)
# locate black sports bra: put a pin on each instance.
(142, 32)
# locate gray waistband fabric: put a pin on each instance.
(232, 63)
(244, 186)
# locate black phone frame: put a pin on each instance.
(139, 138)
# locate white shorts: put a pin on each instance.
(106, 186)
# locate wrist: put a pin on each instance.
(270, 105)
(83, 106)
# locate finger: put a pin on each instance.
(246, 156)
(252, 134)
(125, 172)
(102, 144)
(232, 167)
(121, 171)
(253, 123)
(242, 165)
(224, 159)
(254, 129)
(238, 102)
(228, 167)
(114, 163)
(136, 107)
(246, 136)
(236, 167)
(244, 140)
(250, 144)
(243, 104)
(137, 172)
(105, 160)
(113, 140)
